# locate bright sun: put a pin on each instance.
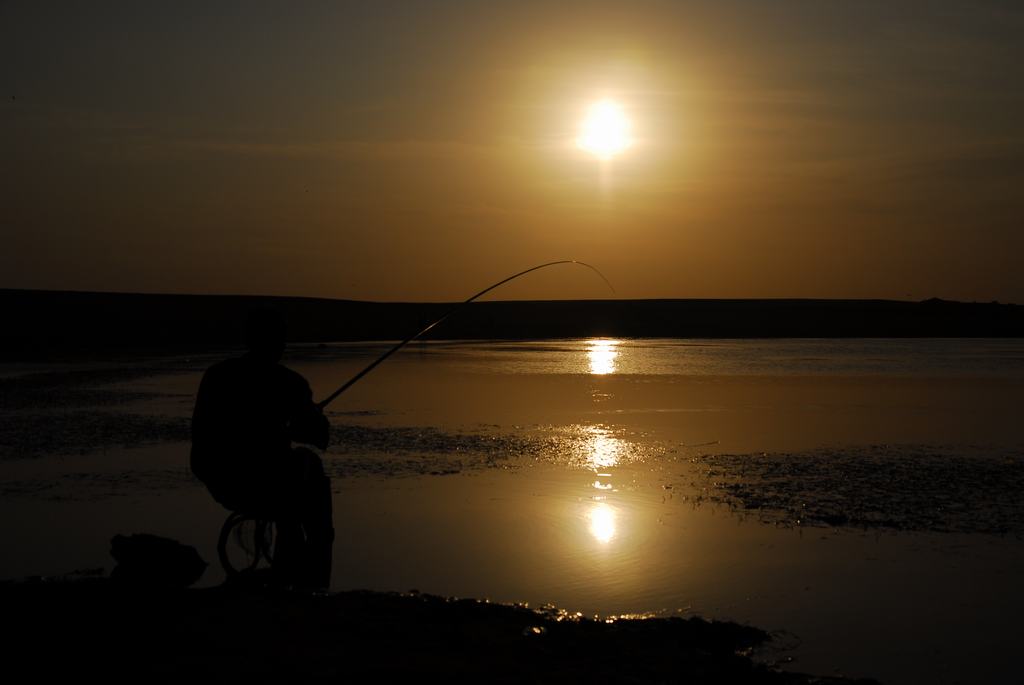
(605, 131)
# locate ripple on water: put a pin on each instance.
(81, 431)
(410, 451)
(901, 487)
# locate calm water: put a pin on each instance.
(582, 473)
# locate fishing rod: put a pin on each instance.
(352, 381)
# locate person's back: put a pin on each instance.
(248, 411)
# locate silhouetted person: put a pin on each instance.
(248, 412)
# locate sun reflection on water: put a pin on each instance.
(601, 354)
(602, 522)
(604, 449)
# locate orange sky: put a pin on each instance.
(420, 151)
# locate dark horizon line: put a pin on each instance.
(140, 293)
(42, 323)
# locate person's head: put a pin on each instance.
(265, 333)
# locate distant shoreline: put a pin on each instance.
(39, 323)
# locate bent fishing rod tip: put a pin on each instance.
(330, 398)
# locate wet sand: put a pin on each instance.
(97, 628)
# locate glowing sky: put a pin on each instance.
(421, 150)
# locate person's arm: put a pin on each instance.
(311, 427)
(308, 424)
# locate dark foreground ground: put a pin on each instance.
(95, 627)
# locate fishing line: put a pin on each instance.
(352, 381)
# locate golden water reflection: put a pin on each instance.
(602, 522)
(604, 450)
(601, 354)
